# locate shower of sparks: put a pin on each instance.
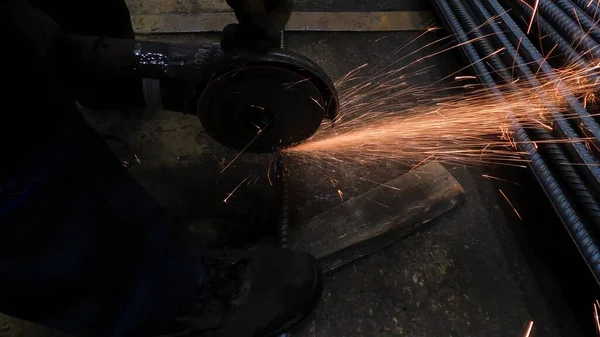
(383, 118)
(528, 329)
(392, 121)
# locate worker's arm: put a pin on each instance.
(27, 35)
(30, 30)
(108, 18)
(260, 24)
(267, 17)
(43, 31)
(38, 40)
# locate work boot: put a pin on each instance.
(264, 294)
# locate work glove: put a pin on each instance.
(29, 35)
(40, 36)
(260, 23)
(32, 30)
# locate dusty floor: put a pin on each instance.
(472, 273)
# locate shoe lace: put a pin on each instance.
(223, 279)
(217, 293)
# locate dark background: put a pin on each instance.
(477, 271)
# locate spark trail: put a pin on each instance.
(384, 118)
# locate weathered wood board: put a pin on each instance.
(375, 219)
(15, 327)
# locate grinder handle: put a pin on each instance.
(260, 24)
(122, 73)
(267, 16)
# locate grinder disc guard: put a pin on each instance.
(267, 105)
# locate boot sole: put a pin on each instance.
(304, 315)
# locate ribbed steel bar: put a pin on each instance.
(561, 163)
(586, 24)
(534, 58)
(569, 28)
(562, 125)
(582, 238)
(575, 184)
(561, 46)
(547, 31)
(592, 8)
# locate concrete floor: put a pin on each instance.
(472, 273)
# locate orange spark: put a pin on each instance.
(384, 118)
(422, 162)
(458, 78)
(260, 131)
(317, 103)
(528, 329)
(378, 203)
(230, 194)
(597, 317)
(269, 172)
(511, 205)
(380, 184)
(512, 74)
(290, 85)
(545, 59)
(499, 179)
(535, 8)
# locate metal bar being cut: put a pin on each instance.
(299, 22)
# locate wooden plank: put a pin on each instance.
(177, 6)
(373, 220)
(15, 327)
(299, 22)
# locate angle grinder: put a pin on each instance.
(248, 93)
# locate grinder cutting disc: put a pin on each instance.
(267, 103)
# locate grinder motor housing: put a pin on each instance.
(258, 99)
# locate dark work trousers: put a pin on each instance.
(83, 247)
(88, 251)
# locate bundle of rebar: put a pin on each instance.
(568, 172)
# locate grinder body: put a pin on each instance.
(248, 96)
